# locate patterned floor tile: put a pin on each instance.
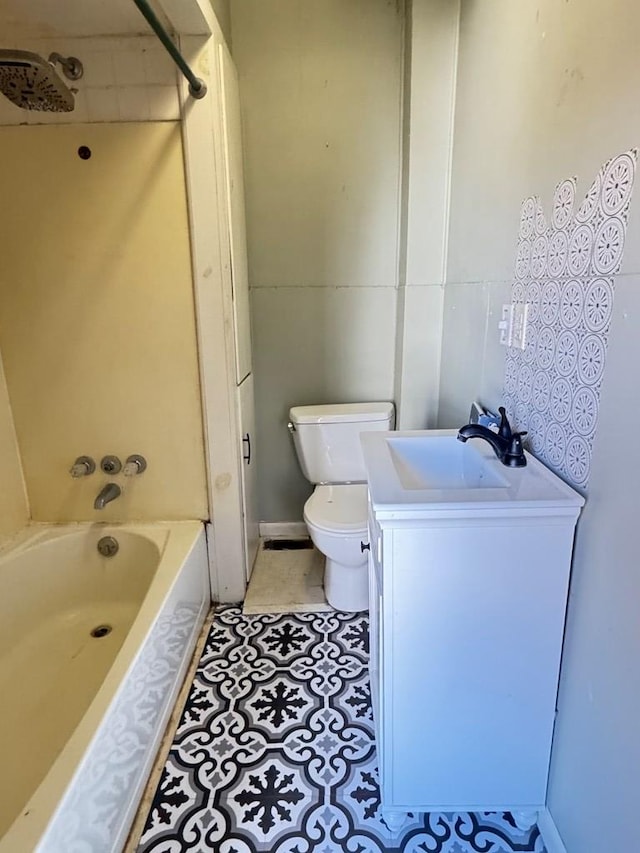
(275, 751)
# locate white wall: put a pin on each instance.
(547, 90)
(430, 68)
(223, 14)
(320, 85)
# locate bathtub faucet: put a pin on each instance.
(107, 494)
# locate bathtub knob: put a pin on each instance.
(135, 464)
(82, 467)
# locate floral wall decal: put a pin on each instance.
(565, 272)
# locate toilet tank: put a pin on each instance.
(327, 438)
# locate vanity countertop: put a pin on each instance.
(429, 473)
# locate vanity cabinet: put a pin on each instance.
(467, 611)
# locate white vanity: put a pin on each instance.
(469, 571)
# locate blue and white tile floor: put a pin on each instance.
(275, 752)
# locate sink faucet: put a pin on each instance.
(107, 494)
(507, 445)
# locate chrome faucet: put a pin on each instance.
(107, 494)
(507, 445)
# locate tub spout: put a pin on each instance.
(107, 494)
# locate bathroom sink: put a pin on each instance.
(441, 462)
(429, 473)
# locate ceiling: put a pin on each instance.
(43, 18)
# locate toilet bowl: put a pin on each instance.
(327, 442)
(336, 517)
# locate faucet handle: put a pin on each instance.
(135, 464)
(514, 457)
(516, 439)
(82, 467)
(504, 430)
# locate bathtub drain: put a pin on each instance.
(101, 631)
(108, 546)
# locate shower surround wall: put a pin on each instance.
(548, 90)
(122, 328)
(14, 511)
(97, 324)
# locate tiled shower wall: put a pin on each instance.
(564, 274)
(128, 78)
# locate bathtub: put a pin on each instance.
(82, 714)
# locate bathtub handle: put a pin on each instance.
(82, 467)
(247, 456)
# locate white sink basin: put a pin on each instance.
(442, 462)
(430, 474)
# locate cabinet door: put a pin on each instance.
(374, 640)
(472, 679)
(235, 201)
(247, 423)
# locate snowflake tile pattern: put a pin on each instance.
(275, 752)
(564, 271)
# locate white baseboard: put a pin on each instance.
(550, 835)
(292, 529)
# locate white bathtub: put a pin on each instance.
(81, 717)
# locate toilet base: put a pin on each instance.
(346, 587)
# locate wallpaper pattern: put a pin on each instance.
(565, 272)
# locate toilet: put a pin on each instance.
(327, 442)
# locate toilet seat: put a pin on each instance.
(338, 508)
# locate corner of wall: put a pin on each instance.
(14, 504)
(429, 111)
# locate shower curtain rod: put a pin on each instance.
(197, 87)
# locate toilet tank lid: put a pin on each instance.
(341, 413)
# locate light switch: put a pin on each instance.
(506, 325)
(519, 325)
